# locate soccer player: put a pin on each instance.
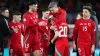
(79, 16)
(30, 20)
(61, 38)
(85, 28)
(44, 32)
(15, 38)
(58, 13)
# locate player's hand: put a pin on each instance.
(11, 50)
(42, 23)
(52, 41)
(15, 29)
(52, 27)
(74, 46)
(92, 48)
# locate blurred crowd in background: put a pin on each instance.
(72, 7)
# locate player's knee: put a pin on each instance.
(37, 53)
(27, 54)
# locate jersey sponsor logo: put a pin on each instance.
(81, 24)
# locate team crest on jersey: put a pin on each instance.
(89, 24)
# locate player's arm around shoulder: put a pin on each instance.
(55, 36)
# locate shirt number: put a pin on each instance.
(63, 31)
(26, 45)
(84, 28)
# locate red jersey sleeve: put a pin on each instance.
(75, 31)
(39, 27)
(93, 30)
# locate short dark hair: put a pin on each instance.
(88, 8)
(88, 4)
(17, 13)
(32, 2)
(45, 9)
(3, 9)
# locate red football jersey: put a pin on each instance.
(30, 21)
(16, 36)
(86, 31)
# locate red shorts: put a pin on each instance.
(84, 49)
(44, 51)
(61, 47)
(44, 42)
(31, 44)
(17, 51)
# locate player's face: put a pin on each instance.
(34, 7)
(18, 18)
(53, 10)
(86, 13)
(78, 16)
(46, 14)
(52, 22)
(6, 13)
